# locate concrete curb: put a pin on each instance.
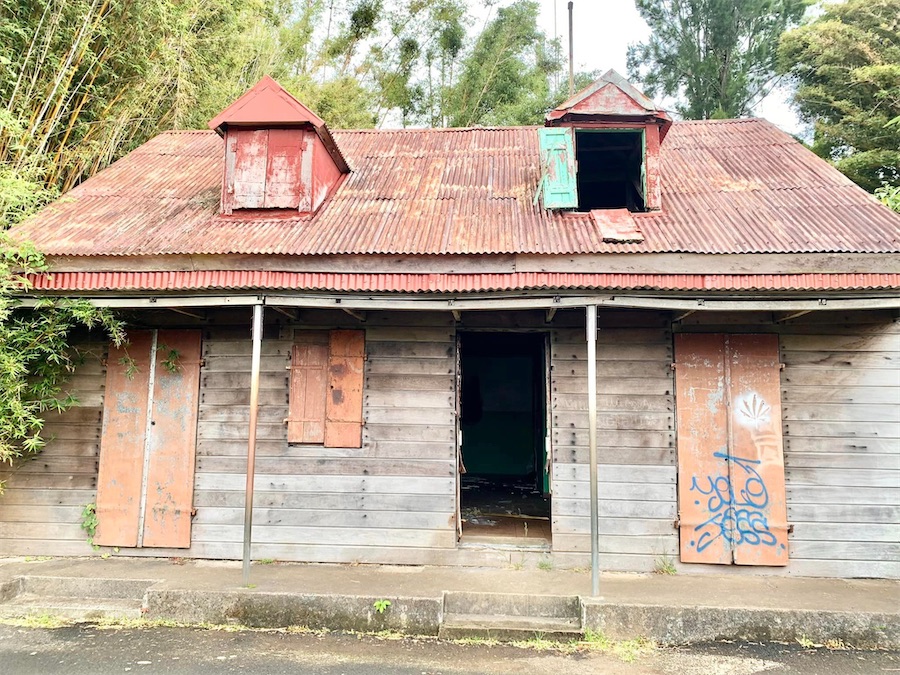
(683, 625)
(414, 616)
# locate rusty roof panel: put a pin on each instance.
(453, 283)
(739, 186)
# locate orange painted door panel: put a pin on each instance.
(343, 402)
(730, 462)
(309, 387)
(702, 441)
(757, 459)
(122, 442)
(172, 440)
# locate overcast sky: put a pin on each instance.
(603, 31)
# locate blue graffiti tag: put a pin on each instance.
(737, 511)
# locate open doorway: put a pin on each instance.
(504, 469)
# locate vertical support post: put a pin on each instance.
(571, 56)
(251, 438)
(591, 329)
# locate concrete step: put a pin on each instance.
(508, 627)
(513, 604)
(71, 608)
(85, 587)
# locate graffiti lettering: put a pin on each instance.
(736, 506)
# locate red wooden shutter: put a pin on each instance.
(122, 442)
(283, 184)
(343, 403)
(172, 440)
(730, 461)
(250, 148)
(308, 388)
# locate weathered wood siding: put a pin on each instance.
(635, 443)
(841, 402)
(40, 509)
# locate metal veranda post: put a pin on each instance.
(251, 438)
(591, 330)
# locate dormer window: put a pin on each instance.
(600, 150)
(279, 155)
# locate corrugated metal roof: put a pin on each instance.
(739, 186)
(453, 283)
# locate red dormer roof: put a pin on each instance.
(266, 104)
(611, 97)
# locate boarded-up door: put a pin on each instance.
(146, 475)
(730, 460)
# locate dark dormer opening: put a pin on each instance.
(610, 169)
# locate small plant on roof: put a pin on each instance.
(381, 605)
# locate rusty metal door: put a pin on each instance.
(731, 487)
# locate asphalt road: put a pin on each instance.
(83, 650)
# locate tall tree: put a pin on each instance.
(506, 76)
(717, 58)
(847, 67)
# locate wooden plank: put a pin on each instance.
(226, 432)
(840, 412)
(273, 414)
(702, 435)
(825, 342)
(215, 347)
(438, 433)
(809, 494)
(756, 458)
(122, 446)
(842, 460)
(859, 532)
(49, 481)
(385, 366)
(847, 550)
(614, 337)
(613, 438)
(611, 473)
(846, 430)
(380, 537)
(172, 441)
(277, 517)
(212, 398)
(409, 399)
(614, 369)
(615, 403)
(373, 484)
(813, 376)
(241, 380)
(410, 350)
(566, 489)
(36, 497)
(306, 501)
(404, 333)
(410, 416)
(619, 421)
(844, 476)
(308, 389)
(330, 467)
(843, 513)
(56, 463)
(838, 360)
(397, 383)
(832, 395)
(613, 350)
(650, 545)
(38, 514)
(613, 526)
(567, 384)
(612, 455)
(343, 403)
(838, 444)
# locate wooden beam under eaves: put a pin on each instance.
(356, 314)
(792, 315)
(457, 315)
(550, 314)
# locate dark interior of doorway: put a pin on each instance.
(505, 484)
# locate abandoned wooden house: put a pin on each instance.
(412, 343)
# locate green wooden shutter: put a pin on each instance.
(558, 183)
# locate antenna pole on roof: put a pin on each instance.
(571, 54)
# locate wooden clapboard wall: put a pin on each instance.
(391, 501)
(636, 442)
(841, 406)
(40, 509)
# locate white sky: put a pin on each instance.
(603, 31)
